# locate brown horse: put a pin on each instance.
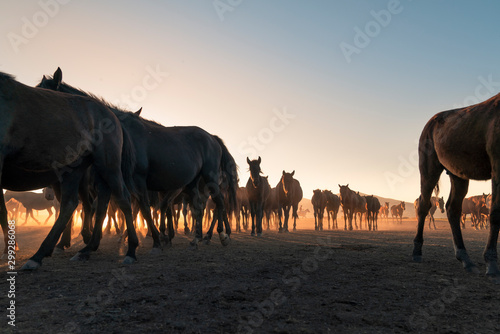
(397, 212)
(349, 201)
(318, 202)
(51, 138)
(473, 205)
(384, 211)
(289, 196)
(258, 190)
(436, 202)
(32, 201)
(332, 207)
(466, 143)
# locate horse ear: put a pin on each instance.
(283, 173)
(248, 161)
(292, 173)
(58, 76)
(138, 112)
(259, 160)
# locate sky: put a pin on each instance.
(338, 91)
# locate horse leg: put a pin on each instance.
(280, 229)
(287, 215)
(143, 203)
(259, 218)
(490, 252)
(69, 202)
(4, 223)
(252, 213)
(458, 191)
(315, 219)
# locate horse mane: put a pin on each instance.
(6, 76)
(119, 112)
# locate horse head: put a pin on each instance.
(441, 204)
(287, 181)
(255, 171)
(48, 193)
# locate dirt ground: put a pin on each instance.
(302, 282)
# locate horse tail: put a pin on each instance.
(128, 162)
(230, 175)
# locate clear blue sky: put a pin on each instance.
(336, 90)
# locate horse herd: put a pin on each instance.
(91, 152)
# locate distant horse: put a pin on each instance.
(32, 201)
(473, 205)
(349, 201)
(302, 213)
(163, 165)
(397, 212)
(271, 207)
(435, 203)
(361, 208)
(13, 207)
(50, 138)
(332, 207)
(242, 208)
(384, 211)
(373, 207)
(318, 202)
(258, 190)
(289, 196)
(465, 143)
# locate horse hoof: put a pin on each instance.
(224, 239)
(80, 257)
(155, 251)
(31, 265)
(194, 243)
(259, 234)
(128, 260)
(206, 241)
(252, 234)
(417, 258)
(472, 268)
(58, 250)
(186, 231)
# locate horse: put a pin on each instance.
(163, 165)
(349, 202)
(384, 211)
(271, 207)
(436, 202)
(473, 205)
(301, 212)
(32, 201)
(51, 138)
(242, 208)
(373, 207)
(361, 208)
(289, 196)
(332, 207)
(318, 202)
(465, 143)
(397, 212)
(258, 190)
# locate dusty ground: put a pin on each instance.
(302, 282)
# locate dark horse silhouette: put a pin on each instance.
(332, 207)
(318, 202)
(436, 202)
(258, 190)
(289, 196)
(349, 201)
(53, 138)
(373, 207)
(466, 143)
(162, 164)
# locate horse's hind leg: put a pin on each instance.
(490, 252)
(430, 171)
(458, 191)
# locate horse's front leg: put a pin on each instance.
(490, 252)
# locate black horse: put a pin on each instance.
(332, 207)
(53, 138)
(289, 195)
(162, 164)
(258, 190)
(318, 202)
